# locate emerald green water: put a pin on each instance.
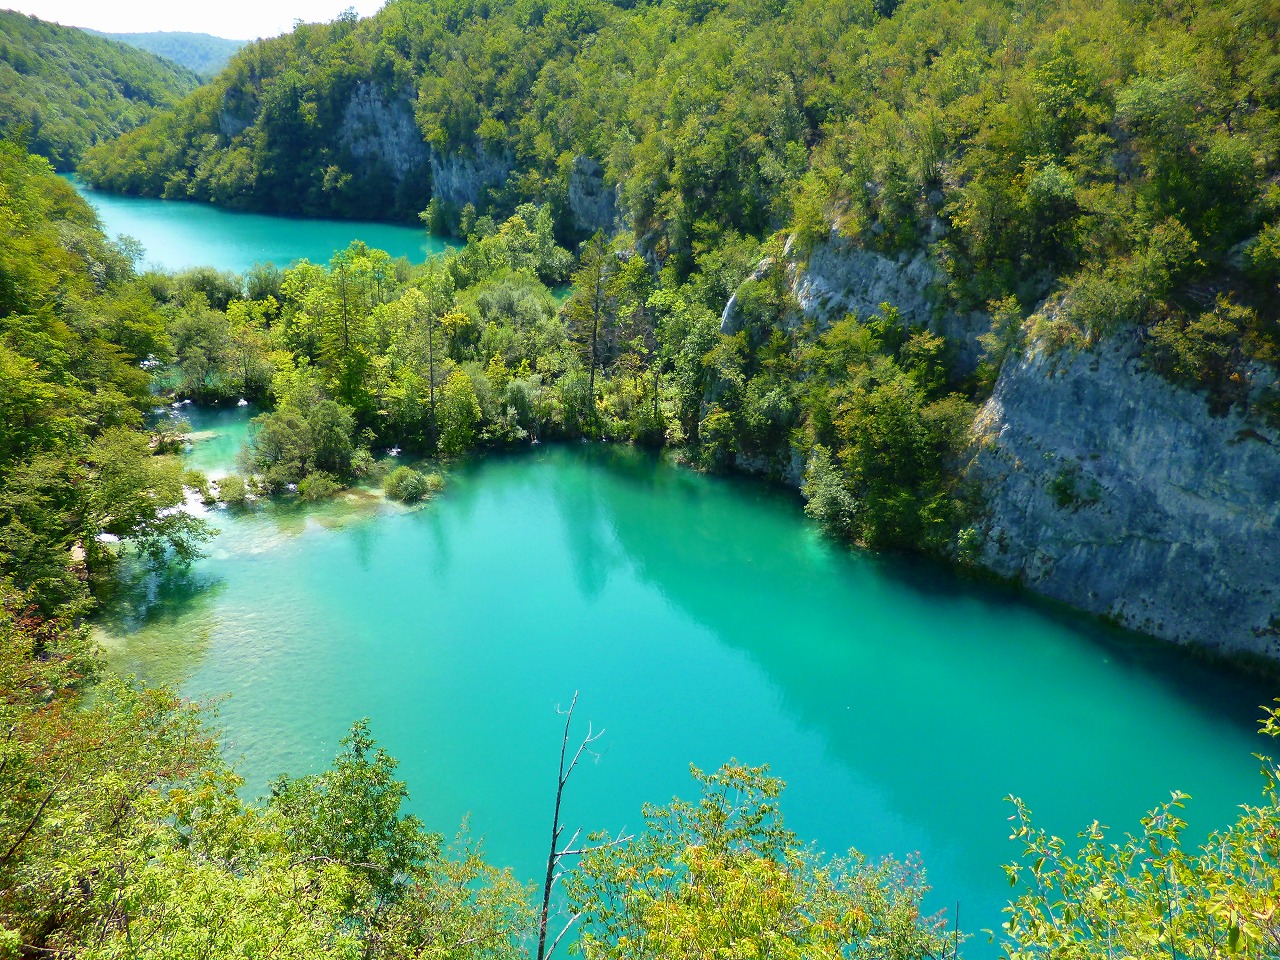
(177, 235)
(701, 619)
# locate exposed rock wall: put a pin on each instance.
(382, 132)
(840, 277)
(458, 180)
(1105, 486)
(593, 204)
(1117, 492)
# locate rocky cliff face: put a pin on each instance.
(593, 204)
(380, 131)
(1114, 491)
(1105, 486)
(459, 180)
(840, 278)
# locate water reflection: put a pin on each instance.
(701, 618)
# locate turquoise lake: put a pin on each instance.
(700, 619)
(177, 234)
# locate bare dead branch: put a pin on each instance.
(555, 943)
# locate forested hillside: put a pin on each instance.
(63, 89)
(200, 53)
(1123, 151)
(76, 470)
(844, 218)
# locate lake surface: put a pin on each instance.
(701, 619)
(178, 234)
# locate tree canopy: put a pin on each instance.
(63, 90)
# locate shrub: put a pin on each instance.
(232, 490)
(409, 486)
(198, 482)
(1204, 353)
(1263, 255)
(318, 486)
(362, 463)
(405, 484)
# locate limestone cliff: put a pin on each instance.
(839, 277)
(380, 132)
(1117, 492)
(593, 203)
(459, 179)
(1104, 485)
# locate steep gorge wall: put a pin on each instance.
(380, 133)
(1117, 492)
(1105, 486)
(839, 277)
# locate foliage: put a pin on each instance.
(62, 90)
(409, 486)
(458, 414)
(317, 486)
(124, 836)
(200, 53)
(233, 491)
(884, 434)
(290, 444)
(723, 877)
(1149, 894)
(81, 780)
(1208, 351)
(75, 472)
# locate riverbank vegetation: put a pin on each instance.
(123, 836)
(77, 473)
(1069, 170)
(63, 90)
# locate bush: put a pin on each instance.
(362, 463)
(1204, 352)
(405, 484)
(232, 490)
(318, 486)
(409, 486)
(198, 482)
(827, 498)
(1263, 256)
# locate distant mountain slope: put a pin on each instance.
(69, 89)
(201, 53)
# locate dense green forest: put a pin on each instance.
(1073, 169)
(64, 90)
(200, 53)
